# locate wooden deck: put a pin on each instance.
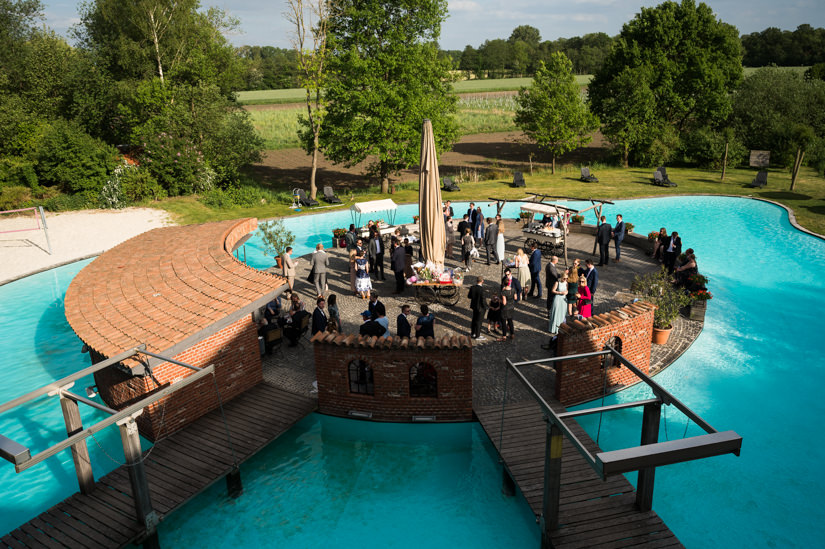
(594, 513)
(178, 468)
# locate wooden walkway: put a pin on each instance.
(178, 468)
(594, 513)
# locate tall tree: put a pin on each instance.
(628, 112)
(167, 39)
(694, 59)
(384, 78)
(310, 20)
(551, 112)
(776, 109)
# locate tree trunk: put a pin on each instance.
(313, 190)
(553, 168)
(156, 41)
(800, 154)
(385, 178)
(725, 160)
(316, 130)
(626, 155)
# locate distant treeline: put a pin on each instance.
(802, 47)
(269, 68)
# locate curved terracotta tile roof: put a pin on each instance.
(164, 287)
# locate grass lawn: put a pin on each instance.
(807, 201)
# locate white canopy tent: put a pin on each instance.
(386, 206)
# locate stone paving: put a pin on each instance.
(293, 368)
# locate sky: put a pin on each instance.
(474, 21)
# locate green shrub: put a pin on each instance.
(137, 184)
(16, 171)
(14, 197)
(706, 148)
(175, 162)
(72, 160)
(66, 202)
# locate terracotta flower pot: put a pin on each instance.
(278, 262)
(660, 336)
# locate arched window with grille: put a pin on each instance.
(609, 361)
(423, 380)
(360, 378)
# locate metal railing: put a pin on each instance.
(643, 458)
(22, 458)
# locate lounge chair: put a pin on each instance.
(760, 181)
(330, 197)
(587, 178)
(518, 180)
(449, 185)
(660, 178)
(304, 200)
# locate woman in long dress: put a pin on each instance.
(572, 287)
(523, 265)
(558, 312)
(500, 241)
(585, 303)
(362, 276)
(352, 254)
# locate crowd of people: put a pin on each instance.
(570, 291)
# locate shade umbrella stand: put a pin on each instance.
(431, 216)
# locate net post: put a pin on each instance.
(45, 229)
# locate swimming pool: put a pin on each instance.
(349, 484)
(754, 369)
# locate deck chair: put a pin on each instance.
(449, 185)
(660, 178)
(586, 177)
(518, 180)
(304, 199)
(272, 339)
(330, 197)
(760, 181)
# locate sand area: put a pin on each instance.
(73, 235)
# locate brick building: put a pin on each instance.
(179, 291)
(395, 379)
(628, 329)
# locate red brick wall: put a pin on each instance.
(391, 400)
(234, 352)
(583, 379)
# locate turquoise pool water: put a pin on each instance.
(332, 482)
(754, 369)
(38, 347)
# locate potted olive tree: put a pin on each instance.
(657, 288)
(276, 238)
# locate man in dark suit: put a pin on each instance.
(319, 317)
(618, 236)
(463, 224)
(376, 251)
(603, 238)
(490, 238)
(592, 276)
(477, 305)
(673, 247)
(471, 214)
(374, 303)
(402, 323)
(397, 262)
(535, 271)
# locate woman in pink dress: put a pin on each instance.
(585, 302)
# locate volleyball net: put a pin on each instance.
(25, 220)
